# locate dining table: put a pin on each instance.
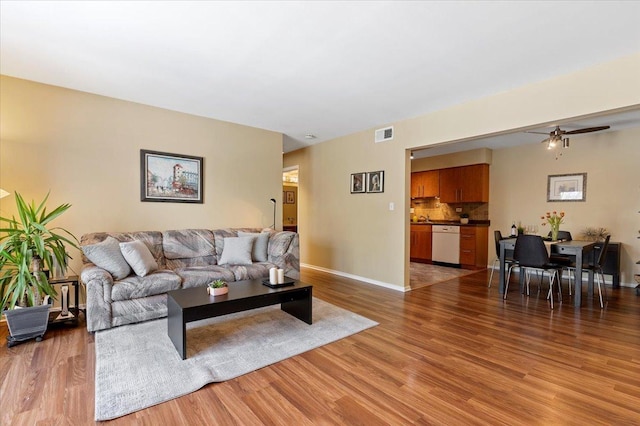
(578, 250)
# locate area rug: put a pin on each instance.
(137, 366)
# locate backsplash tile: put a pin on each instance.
(434, 210)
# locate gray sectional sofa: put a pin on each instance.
(127, 282)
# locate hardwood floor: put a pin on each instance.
(447, 354)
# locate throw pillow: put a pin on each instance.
(138, 256)
(237, 251)
(106, 255)
(260, 245)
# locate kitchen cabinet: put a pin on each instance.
(425, 184)
(420, 245)
(473, 247)
(466, 184)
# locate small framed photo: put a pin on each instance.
(375, 181)
(571, 187)
(172, 178)
(358, 183)
(289, 197)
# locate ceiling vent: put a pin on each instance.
(383, 135)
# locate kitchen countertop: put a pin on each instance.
(454, 222)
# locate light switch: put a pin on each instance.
(392, 206)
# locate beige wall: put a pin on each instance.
(465, 158)
(357, 234)
(346, 233)
(86, 150)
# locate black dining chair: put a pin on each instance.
(531, 254)
(595, 268)
(509, 261)
(562, 259)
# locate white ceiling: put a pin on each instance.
(325, 68)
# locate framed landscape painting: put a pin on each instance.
(571, 187)
(173, 178)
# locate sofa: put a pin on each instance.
(127, 274)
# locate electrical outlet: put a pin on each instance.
(392, 206)
(458, 209)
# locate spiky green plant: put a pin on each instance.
(23, 240)
(217, 284)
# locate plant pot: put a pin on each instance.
(464, 220)
(27, 323)
(217, 291)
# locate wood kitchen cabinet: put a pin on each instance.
(425, 184)
(420, 245)
(473, 246)
(466, 184)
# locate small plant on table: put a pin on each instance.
(217, 287)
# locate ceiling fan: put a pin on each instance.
(556, 136)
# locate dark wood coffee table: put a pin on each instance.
(193, 304)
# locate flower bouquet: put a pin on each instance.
(554, 220)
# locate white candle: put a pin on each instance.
(280, 276)
(273, 276)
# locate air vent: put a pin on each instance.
(383, 135)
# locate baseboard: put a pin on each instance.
(355, 277)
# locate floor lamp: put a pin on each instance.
(273, 200)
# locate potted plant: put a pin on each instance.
(217, 288)
(464, 218)
(26, 245)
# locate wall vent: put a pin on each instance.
(383, 135)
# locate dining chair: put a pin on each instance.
(595, 268)
(531, 254)
(562, 259)
(509, 261)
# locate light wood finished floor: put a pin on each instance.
(448, 354)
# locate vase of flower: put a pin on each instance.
(554, 219)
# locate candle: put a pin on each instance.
(273, 276)
(280, 276)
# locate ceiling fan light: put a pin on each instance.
(565, 143)
(551, 144)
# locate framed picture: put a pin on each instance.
(572, 187)
(375, 181)
(289, 197)
(173, 178)
(358, 183)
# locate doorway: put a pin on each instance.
(290, 199)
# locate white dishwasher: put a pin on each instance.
(446, 244)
